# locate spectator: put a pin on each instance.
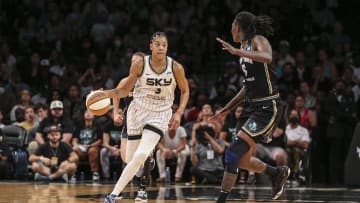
(172, 146)
(203, 119)
(8, 100)
(88, 76)
(328, 68)
(206, 156)
(275, 64)
(338, 37)
(54, 158)
(289, 82)
(319, 81)
(25, 100)
(9, 58)
(303, 71)
(29, 122)
(341, 109)
(87, 141)
(19, 115)
(55, 94)
(231, 76)
(73, 104)
(102, 31)
(32, 73)
(4, 76)
(298, 141)
(229, 129)
(322, 16)
(41, 111)
(92, 11)
(55, 118)
(284, 53)
(111, 143)
(6, 162)
(308, 118)
(310, 100)
(28, 32)
(104, 77)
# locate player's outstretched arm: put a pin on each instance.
(261, 52)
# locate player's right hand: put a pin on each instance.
(226, 46)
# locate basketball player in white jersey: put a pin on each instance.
(144, 172)
(149, 114)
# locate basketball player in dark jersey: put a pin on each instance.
(261, 103)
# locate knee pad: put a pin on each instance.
(233, 154)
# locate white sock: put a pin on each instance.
(147, 143)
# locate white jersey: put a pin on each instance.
(155, 91)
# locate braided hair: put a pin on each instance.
(254, 25)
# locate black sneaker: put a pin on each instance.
(279, 181)
(141, 196)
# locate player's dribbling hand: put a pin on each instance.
(226, 46)
(175, 121)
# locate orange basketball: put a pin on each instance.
(98, 103)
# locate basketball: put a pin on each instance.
(98, 103)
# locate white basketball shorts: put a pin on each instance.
(138, 117)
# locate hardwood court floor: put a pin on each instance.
(29, 192)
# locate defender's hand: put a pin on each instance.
(226, 46)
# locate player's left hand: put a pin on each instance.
(226, 46)
(118, 118)
(175, 121)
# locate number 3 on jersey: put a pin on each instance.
(158, 90)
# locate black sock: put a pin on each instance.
(272, 171)
(222, 197)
